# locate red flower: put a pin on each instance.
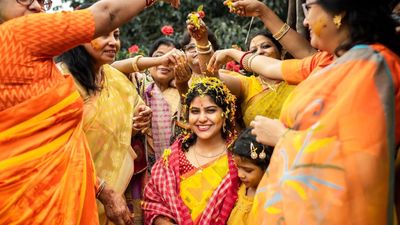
(133, 49)
(167, 30)
(232, 66)
(201, 14)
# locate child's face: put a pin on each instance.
(249, 173)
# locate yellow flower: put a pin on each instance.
(166, 154)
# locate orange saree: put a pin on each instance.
(46, 171)
(336, 163)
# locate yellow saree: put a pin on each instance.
(257, 100)
(107, 123)
(198, 185)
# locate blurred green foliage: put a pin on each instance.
(230, 29)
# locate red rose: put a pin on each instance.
(201, 14)
(232, 66)
(167, 30)
(133, 49)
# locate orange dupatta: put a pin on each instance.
(46, 171)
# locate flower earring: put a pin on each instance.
(337, 20)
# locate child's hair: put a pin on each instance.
(246, 144)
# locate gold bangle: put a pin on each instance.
(134, 63)
(204, 52)
(204, 47)
(249, 62)
(284, 29)
(245, 62)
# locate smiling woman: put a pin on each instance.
(111, 102)
(196, 180)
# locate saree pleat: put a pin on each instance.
(46, 171)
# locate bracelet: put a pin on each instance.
(101, 188)
(284, 29)
(134, 63)
(204, 47)
(204, 52)
(242, 59)
(150, 3)
(249, 63)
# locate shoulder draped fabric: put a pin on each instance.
(161, 118)
(107, 123)
(46, 171)
(335, 165)
(259, 101)
(162, 193)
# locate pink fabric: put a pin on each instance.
(161, 119)
(161, 194)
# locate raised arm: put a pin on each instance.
(139, 63)
(292, 41)
(111, 14)
(261, 65)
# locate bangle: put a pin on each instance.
(101, 188)
(242, 58)
(150, 3)
(134, 63)
(204, 47)
(204, 52)
(284, 29)
(249, 63)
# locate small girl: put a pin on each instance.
(252, 160)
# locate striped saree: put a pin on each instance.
(46, 171)
(336, 163)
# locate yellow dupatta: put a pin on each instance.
(198, 185)
(107, 123)
(258, 100)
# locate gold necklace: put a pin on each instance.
(197, 161)
(269, 85)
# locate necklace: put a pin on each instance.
(212, 156)
(271, 85)
(197, 161)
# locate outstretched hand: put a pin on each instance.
(267, 131)
(198, 33)
(246, 8)
(183, 72)
(219, 59)
(142, 118)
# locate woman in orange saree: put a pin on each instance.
(333, 161)
(46, 171)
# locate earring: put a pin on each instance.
(253, 151)
(337, 20)
(262, 155)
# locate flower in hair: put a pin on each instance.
(167, 30)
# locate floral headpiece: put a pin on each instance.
(222, 96)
